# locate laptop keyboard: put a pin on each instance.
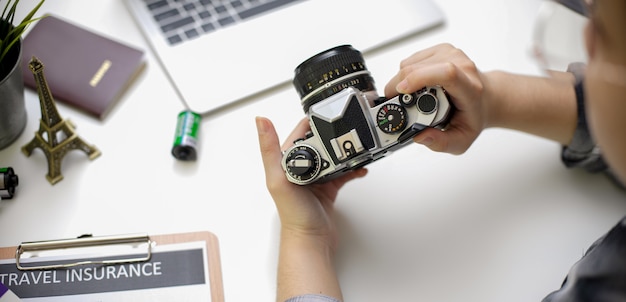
(182, 20)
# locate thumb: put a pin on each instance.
(270, 148)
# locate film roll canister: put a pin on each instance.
(186, 139)
(8, 182)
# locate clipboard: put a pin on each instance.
(166, 264)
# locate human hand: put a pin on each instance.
(303, 210)
(450, 68)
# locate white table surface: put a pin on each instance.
(504, 221)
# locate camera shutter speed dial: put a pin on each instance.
(391, 118)
(302, 163)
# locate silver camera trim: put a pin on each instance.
(334, 108)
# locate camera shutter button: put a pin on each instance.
(407, 99)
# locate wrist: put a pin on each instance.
(492, 110)
(306, 266)
(536, 105)
(320, 242)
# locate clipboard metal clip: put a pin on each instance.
(80, 242)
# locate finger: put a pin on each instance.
(342, 180)
(447, 74)
(426, 53)
(270, 148)
(339, 182)
(421, 57)
(455, 140)
(390, 88)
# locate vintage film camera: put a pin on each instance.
(351, 126)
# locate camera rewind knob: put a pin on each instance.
(302, 163)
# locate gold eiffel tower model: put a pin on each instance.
(56, 136)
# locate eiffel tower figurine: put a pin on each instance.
(56, 136)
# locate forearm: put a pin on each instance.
(305, 266)
(541, 106)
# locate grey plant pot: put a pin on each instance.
(12, 106)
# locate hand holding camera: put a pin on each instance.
(351, 126)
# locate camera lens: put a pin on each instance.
(329, 72)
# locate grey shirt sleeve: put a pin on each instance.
(312, 298)
(582, 151)
(601, 274)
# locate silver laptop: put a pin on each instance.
(217, 52)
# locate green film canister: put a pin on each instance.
(186, 140)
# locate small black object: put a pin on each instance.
(8, 182)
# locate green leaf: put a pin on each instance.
(10, 34)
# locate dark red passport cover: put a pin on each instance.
(83, 68)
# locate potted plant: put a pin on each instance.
(12, 107)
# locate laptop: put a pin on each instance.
(218, 52)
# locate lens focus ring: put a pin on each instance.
(330, 72)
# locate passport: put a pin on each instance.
(83, 68)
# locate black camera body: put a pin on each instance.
(351, 126)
